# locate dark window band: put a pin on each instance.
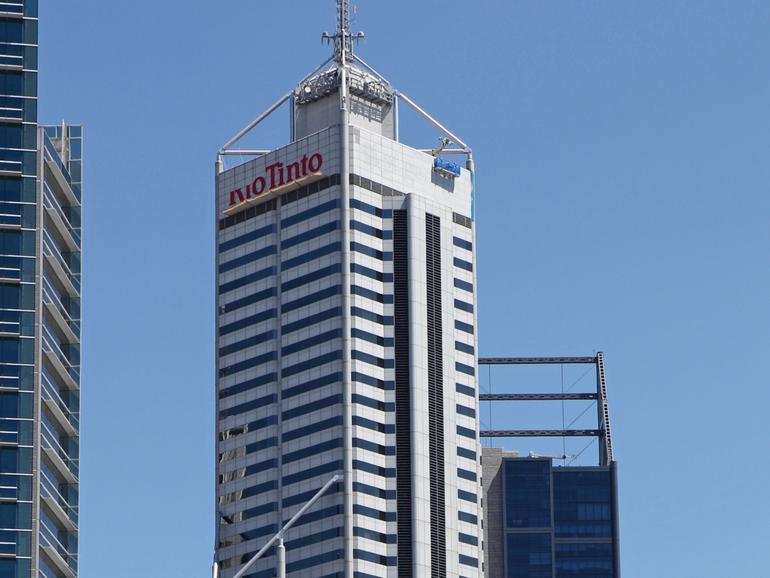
(369, 230)
(370, 316)
(374, 382)
(465, 348)
(466, 411)
(462, 243)
(311, 363)
(464, 285)
(310, 277)
(246, 343)
(310, 213)
(248, 364)
(463, 264)
(373, 425)
(310, 256)
(371, 209)
(246, 259)
(371, 273)
(248, 385)
(311, 407)
(311, 320)
(373, 403)
(310, 299)
(371, 337)
(311, 429)
(314, 450)
(362, 249)
(247, 279)
(373, 447)
(372, 295)
(374, 186)
(372, 359)
(312, 385)
(310, 235)
(311, 342)
(248, 406)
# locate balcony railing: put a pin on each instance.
(50, 490)
(51, 346)
(51, 203)
(51, 298)
(49, 442)
(68, 278)
(67, 561)
(51, 395)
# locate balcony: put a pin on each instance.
(60, 459)
(69, 373)
(66, 418)
(67, 278)
(64, 512)
(67, 325)
(64, 560)
(59, 170)
(60, 218)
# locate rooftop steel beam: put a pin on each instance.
(538, 396)
(536, 360)
(541, 433)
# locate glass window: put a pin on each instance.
(583, 503)
(529, 555)
(527, 485)
(584, 561)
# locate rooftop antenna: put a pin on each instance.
(343, 38)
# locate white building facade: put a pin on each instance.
(346, 344)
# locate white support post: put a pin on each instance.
(279, 536)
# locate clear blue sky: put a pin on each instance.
(623, 154)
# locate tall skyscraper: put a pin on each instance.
(553, 517)
(346, 339)
(40, 194)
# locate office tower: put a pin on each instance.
(346, 339)
(542, 519)
(40, 187)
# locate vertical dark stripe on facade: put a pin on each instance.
(403, 394)
(435, 398)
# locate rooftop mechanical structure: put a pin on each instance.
(602, 431)
(347, 72)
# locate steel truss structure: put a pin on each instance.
(602, 431)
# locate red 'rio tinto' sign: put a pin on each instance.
(278, 175)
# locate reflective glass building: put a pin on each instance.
(549, 522)
(40, 192)
(346, 344)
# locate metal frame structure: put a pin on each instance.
(602, 431)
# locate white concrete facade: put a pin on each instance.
(294, 391)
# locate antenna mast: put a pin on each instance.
(344, 45)
(343, 38)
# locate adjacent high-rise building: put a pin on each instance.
(549, 521)
(553, 517)
(40, 198)
(346, 340)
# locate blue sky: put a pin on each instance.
(623, 205)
